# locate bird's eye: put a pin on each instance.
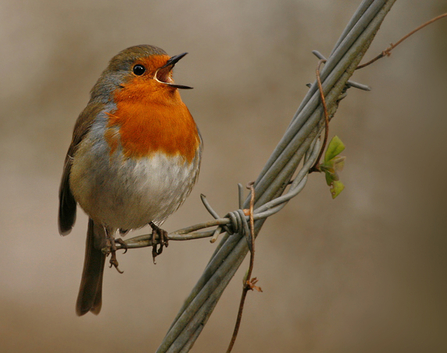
(139, 70)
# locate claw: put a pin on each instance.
(114, 262)
(111, 247)
(157, 244)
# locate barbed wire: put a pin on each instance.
(299, 145)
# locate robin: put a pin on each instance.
(133, 159)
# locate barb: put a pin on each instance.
(350, 83)
(213, 213)
(387, 51)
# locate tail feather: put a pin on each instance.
(90, 291)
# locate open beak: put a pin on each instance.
(163, 74)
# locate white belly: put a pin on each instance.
(126, 193)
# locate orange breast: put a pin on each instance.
(152, 119)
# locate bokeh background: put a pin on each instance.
(363, 273)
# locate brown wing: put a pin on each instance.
(67, 203)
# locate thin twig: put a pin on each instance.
(387, 52)
(249, 283)
(316, 167)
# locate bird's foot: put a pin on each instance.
(158, 244)
(111, 245)
(114, 262)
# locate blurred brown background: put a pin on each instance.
(363, 273)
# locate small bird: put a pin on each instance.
(133, 159)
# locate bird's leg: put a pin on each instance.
(157, 244)
(120, 241)
(111, 244)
